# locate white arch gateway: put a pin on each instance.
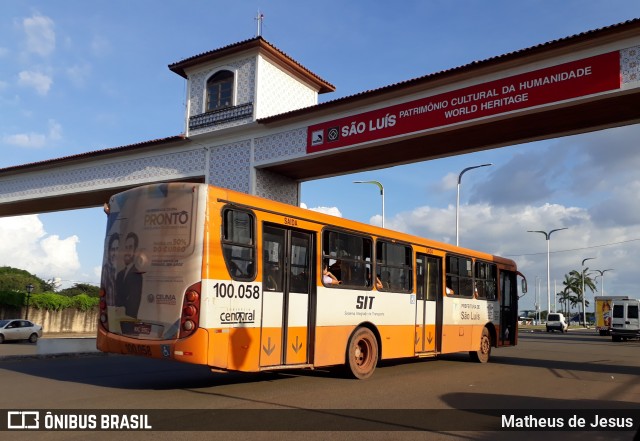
(267, 133)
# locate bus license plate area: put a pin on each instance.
(141, 330)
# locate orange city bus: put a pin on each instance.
(210, 276)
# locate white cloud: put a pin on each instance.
(503, 231)
(333, 211)
(35, 140)
(41, 38)
(26, 245)
(449, 182)
(31, 140)
(37, 80)
(376, 220)
(55, 130)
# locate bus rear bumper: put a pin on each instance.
(189, 350)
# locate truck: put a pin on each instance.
(625, 320)
(603, 310)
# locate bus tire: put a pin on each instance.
(482, 354)
(362, 353)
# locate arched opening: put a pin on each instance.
(219, 90)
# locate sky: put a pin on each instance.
(78, 76)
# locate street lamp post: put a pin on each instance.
(537, 300)
(601, 272)
(29, 289)
(584, 305)
(458, 195)
(381, 193)
(548, 237)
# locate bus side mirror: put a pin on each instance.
(524, 286)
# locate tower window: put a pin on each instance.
(220, 90)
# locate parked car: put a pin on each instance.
(18, 329)
(556, 321)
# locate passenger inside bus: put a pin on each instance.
(327, 276)
(383, 280)
(335, 268)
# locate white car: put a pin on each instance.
(556, 321)
(18, 329)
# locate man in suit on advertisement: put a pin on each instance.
(129, 279)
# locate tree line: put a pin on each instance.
(44, 293)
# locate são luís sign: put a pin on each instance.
(554, 84)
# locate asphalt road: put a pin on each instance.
(51, 344)
(568, 374)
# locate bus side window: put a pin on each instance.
(459, 277)
(394, 266)
(347, 257)
(238, 243)
(486, 280)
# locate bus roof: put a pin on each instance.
(268, 205)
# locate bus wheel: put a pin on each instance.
(482, 355)
(362, 353)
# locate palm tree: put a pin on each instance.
(581, 279)
(569, 288)
(564, 300)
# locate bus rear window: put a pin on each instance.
(238, 243)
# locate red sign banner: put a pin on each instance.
(550, 85)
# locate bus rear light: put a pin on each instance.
(102, 305)
(190, 311)
(192, 296)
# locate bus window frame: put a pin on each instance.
(252, 246)
(410, 266)
(485, 280)
(326, 258)
(448, 274)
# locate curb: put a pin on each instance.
(68, 335)
(9, 358)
